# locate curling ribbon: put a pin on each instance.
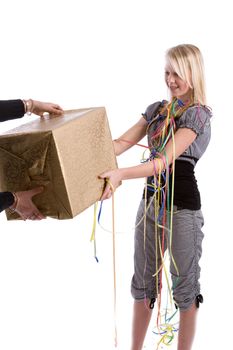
(114, 259)
(93, 234)
(163, 133)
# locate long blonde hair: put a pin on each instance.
(186, 60)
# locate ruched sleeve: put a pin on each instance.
(151, 111)
(196, 118)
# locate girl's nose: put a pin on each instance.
(171, 78)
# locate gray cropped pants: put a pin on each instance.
(186, 249)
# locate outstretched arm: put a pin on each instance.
(39, 108)
(130, 137)
(14, 109)
(183, 138)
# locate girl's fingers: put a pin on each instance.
(107, 193)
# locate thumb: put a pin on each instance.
(36, 190)
(103, 175)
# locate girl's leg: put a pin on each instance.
(186, 252)
(187, 328)
(146, 264)
(141, 319)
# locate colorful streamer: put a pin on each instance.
(163, 195)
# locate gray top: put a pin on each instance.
(196, 118)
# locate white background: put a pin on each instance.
(53, 295)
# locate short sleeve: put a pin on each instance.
(151, 111)
(196, 118)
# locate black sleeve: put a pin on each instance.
(11, 109)
(6, 200)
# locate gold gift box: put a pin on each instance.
(64, 154)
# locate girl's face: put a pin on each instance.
(177, 86)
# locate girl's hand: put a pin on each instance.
(24, 206)
(114, 179)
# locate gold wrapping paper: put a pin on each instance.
(64, 154)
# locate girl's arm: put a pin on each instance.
(183, 138)
(130, 137)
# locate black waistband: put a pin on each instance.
(186, 193)
(188, 157)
